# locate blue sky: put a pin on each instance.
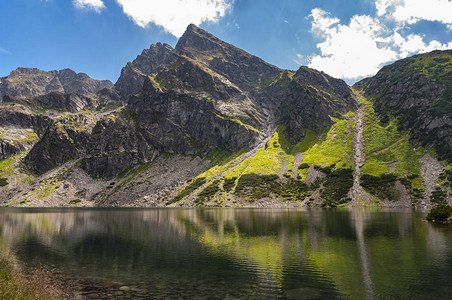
(346, 39)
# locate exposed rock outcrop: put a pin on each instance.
(55, 100)
(19, 116)
(66, 138)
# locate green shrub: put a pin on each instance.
(188, 189)
(208, 192)
(327, 170)
(381, 186)
(291, 190)
(337, 184)
(440, 213)
(228, 184)
(255, 180)
(263, 185)
(3, 181)
(75, 201)
(303, 166)
(439, 196)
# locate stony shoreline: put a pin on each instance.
(67, 287)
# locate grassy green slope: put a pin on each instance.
(417, 90)
(390, 156)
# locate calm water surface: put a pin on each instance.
(250, 253)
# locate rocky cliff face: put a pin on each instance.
(418, 91)
(29, 113)
(30, 82)
(246, 71)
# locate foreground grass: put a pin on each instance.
(35, 284)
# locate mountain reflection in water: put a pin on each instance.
(354, 253)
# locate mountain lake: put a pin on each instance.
(229, 253)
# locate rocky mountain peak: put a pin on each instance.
(198, 39)
(21, 71)
(32, 82)
(66, 74)
(134, 73)
(234, 64)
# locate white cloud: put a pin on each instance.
(383, 5)
(350, 51)
(174, 15)
(414, 43)
(322, 20)
(363, 46)
(96, 5)
(3, 50)
(412, 11)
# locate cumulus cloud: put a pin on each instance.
(361, 47)
(174, 15)
(414, 43)
(96, 5)
(350, 51)
(412, 11)
(322, 20)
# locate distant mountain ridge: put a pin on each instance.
(208, 124)
(31, 82)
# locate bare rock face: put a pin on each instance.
(133, 74)
(418, 91)
(239, 67)
(116, 143)
(66, 138)
(188, 123)
(55, 100)
(20, 128)
(54, 149)
(281, 97)
(14, 140)
(31, 82)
